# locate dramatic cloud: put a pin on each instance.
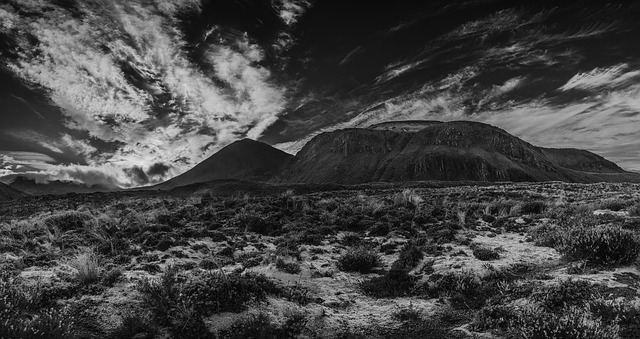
(121, 75)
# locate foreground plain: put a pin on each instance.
(544, 260)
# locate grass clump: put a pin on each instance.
(408, 198)
(88, 266)
(359, 260)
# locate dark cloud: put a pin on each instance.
(158, 169)
(137, 175)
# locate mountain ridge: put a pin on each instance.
(10, 193)
(457, 150)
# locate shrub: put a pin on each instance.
(407, 314)
(618, 312)
(161, 296)
(217, 292)
(601, 245)
(495, 317)
(25, 312)
(88, 267)
(485, 253)
(634, 210)
(613, 205)
(391, 285)
(112, 277)
(410, 256)
(46, 323)
(261, 326)
(567, 293)
(133, 326)
(290, 267)
(359, 260)
(533, 207)
(572, 323)
(68, 220)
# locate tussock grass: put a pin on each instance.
(87, 265)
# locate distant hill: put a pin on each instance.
(451, 151)
(242, 160)
(9, 193)
(56, 187)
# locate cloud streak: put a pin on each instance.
(121, 75)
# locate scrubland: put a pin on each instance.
(550, 260)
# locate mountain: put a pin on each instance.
(56, 187)
(243, 160)
(9, 193)
(452, 151)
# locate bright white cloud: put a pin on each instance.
(80, 63)
(601, 77)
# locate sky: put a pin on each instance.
(130, 93)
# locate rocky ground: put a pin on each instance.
(550, 260)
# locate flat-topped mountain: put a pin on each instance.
(458, 150)
(56, 187)
(244, 160)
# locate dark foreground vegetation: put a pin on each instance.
(527, 261)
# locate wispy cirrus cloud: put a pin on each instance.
(608, 77)
(121, 75)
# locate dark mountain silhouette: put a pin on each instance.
(452, 151)
(9, 193)
(242, 160)
(56, 187)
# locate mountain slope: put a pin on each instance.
(459, 150)
(244, 160)
(53, 187)
(9, 193)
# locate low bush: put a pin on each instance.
(394, 284)
(68, 220)
(133, 326)
(26, 312)
(409, 313)
(625, 315)
(571, 323)
(261, 326)
(567, 293)
(290, 267)
(614, 204)
(410, 256)
(216, 292)
(485, 253)
(495, 317)
(634, 210)
(359, 260)
(601, 245)
(533, 207)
